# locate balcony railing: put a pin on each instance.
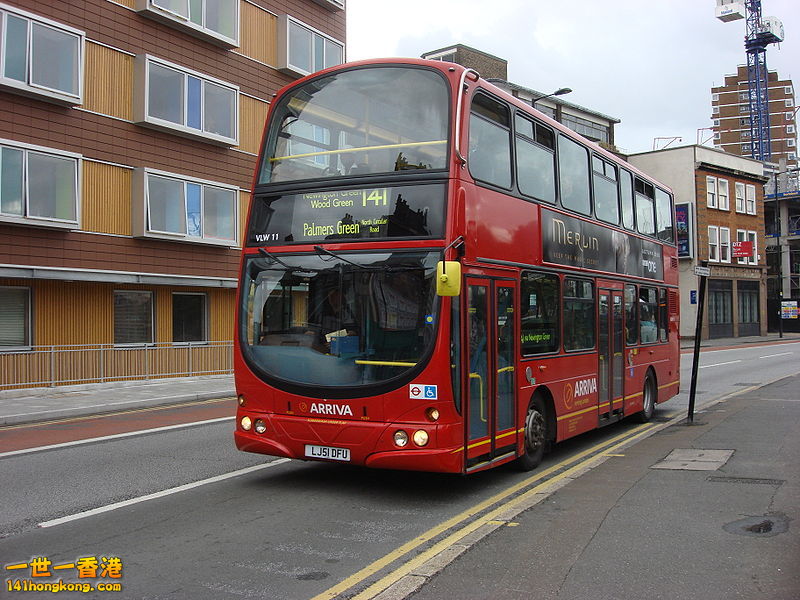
(65, 365)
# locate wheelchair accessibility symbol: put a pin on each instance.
(421, 391)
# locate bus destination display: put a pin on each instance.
(364, 213)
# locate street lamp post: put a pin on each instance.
(558, 92)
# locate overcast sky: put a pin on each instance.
(649, 63)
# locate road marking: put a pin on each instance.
(115, 436)
(774, 355)
(473, 511)
(730, 362)
(161, 494)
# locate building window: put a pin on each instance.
(750, 199)
(745, 135)
(741, 236)
(788, 90)
(752, 237)
(746, 149)
(789, 102)
(790, 142)
(722, 195)
(174, 207)
(186, 102)
(790, 129)
(715, 97)
(744, 122)
(216, 20)
(739, 188)
(715, 110)
(41, 57)
(789, 116)
(38, 185)
(711, 192)
(303, 50)
(713, 243)
(579, 312)
(189, 317)
(724, 244)
(15, 317)
(133, 317)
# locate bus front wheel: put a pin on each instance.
(648, 399)
(535, 436)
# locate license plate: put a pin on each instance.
(327, 452)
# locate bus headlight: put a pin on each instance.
(421, 437)
(432, 414)
(246, 423)
(241, 400)
(400, 438)
(260, 427)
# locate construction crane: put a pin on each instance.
(761, 32)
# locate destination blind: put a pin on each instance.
(352, 214)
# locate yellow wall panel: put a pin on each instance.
(259, 31)
(252, 116)
(72, 313)
(221, 312)
(109, 81)
(244, 206)
(106, 203)
(128, 3)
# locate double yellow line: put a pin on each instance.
(508, 499)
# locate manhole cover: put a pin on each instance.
(766, 526)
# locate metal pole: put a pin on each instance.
(698, 331)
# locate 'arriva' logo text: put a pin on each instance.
(331, 409)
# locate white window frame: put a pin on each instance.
(724, 244)
(741, 236)
(723, 199)
(750, 199)
(715, 97)
(284, 51)
(28, 87)
(740, 195)
(715, 110)
(713, 243)
(790, 129)
(711, 191)
(752, 236)
(26, 218)
(141, 209)
(28, 321)
(142, 99)
(334, 5)
(790, 142)
(788, 90)
(789, 102)
(152, 9)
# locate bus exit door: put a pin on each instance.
(491, 390)
(611, 367)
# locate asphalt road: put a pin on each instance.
(191, 517)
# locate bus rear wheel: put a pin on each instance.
(536, 436)
(648, 399)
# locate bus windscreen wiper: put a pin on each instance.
(321, 250)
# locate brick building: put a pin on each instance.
(719, 200)
(730, 111)
(128, 136)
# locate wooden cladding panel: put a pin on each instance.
(244, 206)
(72, 312)
(259, 34)
(126, 3)
(106, 204)
(221, 314)
(109, 82)
(252, 116)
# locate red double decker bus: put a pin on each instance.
(438, 277)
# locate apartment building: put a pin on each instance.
(719, 203)
(128, 136)
(589, 123)
(730, 112)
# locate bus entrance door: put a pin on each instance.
(611, 367)
(491, 390)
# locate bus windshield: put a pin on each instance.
(356, 122)
(328, 320)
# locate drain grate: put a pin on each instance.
(750, 480)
